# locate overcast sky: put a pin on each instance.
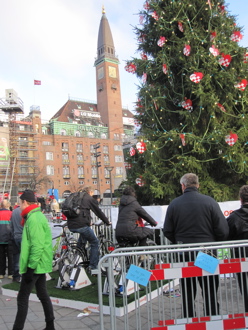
(55, 41)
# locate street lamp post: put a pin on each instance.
(110, 169)
(98, 164)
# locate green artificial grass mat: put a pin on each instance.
(87, 294)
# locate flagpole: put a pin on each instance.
(34, 93)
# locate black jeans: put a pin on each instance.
(39, 281)
(209, 286)
(6, 253)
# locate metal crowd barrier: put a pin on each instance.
(178, 294)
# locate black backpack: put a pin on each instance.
(72, 204)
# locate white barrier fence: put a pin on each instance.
(177, 294)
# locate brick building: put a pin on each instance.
(82, 144)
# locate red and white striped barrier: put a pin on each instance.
(231, 321)
(187, 269)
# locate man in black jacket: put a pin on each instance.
(195, 218)
(82, 223)
(238, 229)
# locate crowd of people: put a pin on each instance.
(26, 242)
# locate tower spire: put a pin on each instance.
(105, 44)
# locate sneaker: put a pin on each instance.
(17, 280)
(1, 276)
(10, 276)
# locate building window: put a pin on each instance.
(67, 183)
(117, 147)
(93, 159)
(46, 143)
(49, 155)
(103, 136)
(77, 133)
(91, 135)
(79, 147)
(92, 150)
(105, 149)
(119, 170)
(94, 172)
(106, 159)
(80, 158)
(63, 132)
(50, 170)
(23, 169)
(116, 137)
(80, 172)
(95, 182)
(65, 146)
(66, 170)
(81, 182)
(118, 159)
(23, 154)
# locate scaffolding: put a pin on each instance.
(11, 105)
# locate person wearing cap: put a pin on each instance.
(35, 260)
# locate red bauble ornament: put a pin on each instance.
(245, 60)
(141, 19)
(164, 68)
(127, 165)
(161, 41)
(241, 85)
(131, 67)
(236, 36)
(140, 182)
(180, 26)
(141, 147)
(231, 139)
(155, 16)
(144, 78)
(146, 5)
(132, 151)
(182, 137)
(225, 60)
(214, 51)
(143, 56)
(196, 77)
(213, 36)
(187, 104)
(221, 107)
(186, 50)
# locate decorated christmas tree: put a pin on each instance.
(192, 106)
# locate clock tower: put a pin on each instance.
(108, 81)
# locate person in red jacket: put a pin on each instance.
(5, 239)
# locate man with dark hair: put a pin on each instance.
(81, 224)
(35, 260)
(195, 218)
(130, 212)
(238, 230)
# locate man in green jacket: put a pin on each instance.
(35, 260)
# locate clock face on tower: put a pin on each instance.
(112, 71)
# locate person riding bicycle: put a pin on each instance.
(128, 229)
(81, 224)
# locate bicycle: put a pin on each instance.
(105, 245)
